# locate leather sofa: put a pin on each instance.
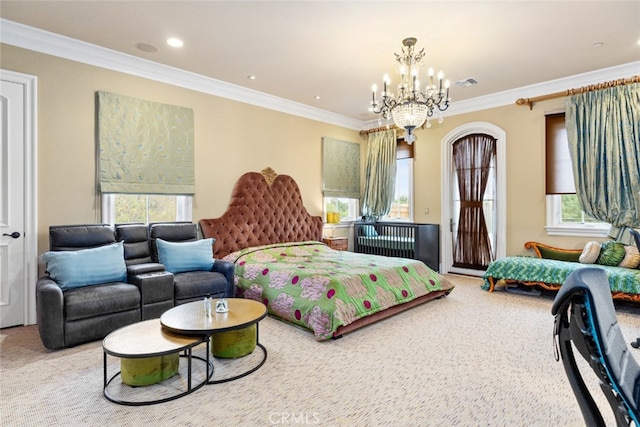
(87, 312)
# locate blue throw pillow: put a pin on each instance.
(179, 257)
(369, 231)
(74, 269)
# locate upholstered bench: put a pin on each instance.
(550, 274)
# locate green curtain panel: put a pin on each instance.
(340, 168)
(380, 178)
(144, 147)
(603, 132)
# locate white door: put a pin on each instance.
(12, 215)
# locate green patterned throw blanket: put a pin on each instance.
(321, 289)
(530, 269)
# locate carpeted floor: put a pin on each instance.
(470, 359)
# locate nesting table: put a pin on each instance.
(148, 342)
(243, 315)
(227, 335)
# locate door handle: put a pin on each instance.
(15, 234)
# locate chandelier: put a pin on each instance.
(410, 106)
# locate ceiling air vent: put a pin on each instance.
(466, 82)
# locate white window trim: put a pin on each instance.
(344, 221)
(411, 198)
(554, 228)
(184, 208)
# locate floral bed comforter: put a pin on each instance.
(321, 289)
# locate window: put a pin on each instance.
(565, 218)
(145, 208)
(564, 215)
(341, 180)
(402, 206)
(146, 160)
(347, 209)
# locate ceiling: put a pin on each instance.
(336, 50)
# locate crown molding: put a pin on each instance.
(41, 41)
(509, 97)
(38, 40)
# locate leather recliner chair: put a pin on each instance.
(193, 285)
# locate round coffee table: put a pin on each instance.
(148, 341)
(190, 319)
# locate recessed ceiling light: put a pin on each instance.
(174, 42)
(251, 77)
(597, 45)
(146, 47)
(317, 97)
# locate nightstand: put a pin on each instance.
(337, 243)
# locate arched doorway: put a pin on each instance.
(496, 196)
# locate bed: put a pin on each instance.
(280, 260)
(403, 240)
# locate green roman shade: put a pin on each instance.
(144, 147)
(341, 168)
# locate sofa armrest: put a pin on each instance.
(50, 312)
(156, 292)
(144, 268)
(228, 269)
(549, 252)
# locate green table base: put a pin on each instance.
(234, 344)
(149, 370)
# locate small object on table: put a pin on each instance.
(222, 306)
(207, 306)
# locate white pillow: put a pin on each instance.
(590, 253)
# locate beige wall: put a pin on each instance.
(232, 138)
(525, 172)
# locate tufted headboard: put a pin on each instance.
(265, 208)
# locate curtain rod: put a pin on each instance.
(584, 89)
(378, 129)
